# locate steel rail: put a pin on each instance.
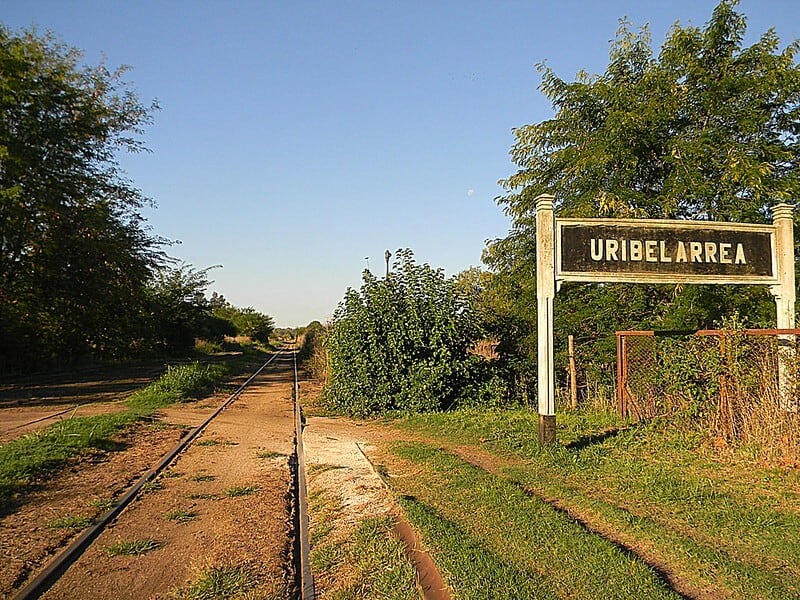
(61, 562)
(306, 578)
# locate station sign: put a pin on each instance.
(655, 251)
(664, 251)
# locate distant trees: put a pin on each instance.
(707, 129)
(245, 321)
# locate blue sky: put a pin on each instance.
(297, 138)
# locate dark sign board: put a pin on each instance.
(672, 250)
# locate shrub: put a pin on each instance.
(402, 343)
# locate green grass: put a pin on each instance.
(215, 442)
(23, 461)
(492, 540)
(270, 454)
(70, 522)
(353, 561)
(202, 477)
(728, 526)
(133, 547)
(152, 486)
(241, 490)
(180, 515)
(218, 583)
(103, 504)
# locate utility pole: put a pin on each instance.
(387, 256)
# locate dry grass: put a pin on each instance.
(725, 387)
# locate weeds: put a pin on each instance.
(180, 515)
(241, 490)
(270, 454)
(102, 504)
(70, 522)
(152, 486)
(215, 442)
(133, 547)
(218, 583)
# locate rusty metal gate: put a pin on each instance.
(640, 356)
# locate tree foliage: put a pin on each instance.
(245, 321)
(80, 276)
(74, 256)
(706, 129)
(401, 343)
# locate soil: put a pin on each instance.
(222, 504)
(244, 451)
(28, 537)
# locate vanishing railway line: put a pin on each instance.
(301, 583)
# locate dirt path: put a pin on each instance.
(221, 510)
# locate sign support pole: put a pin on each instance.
(784, 294)
(545, 293)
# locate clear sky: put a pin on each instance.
(297, 138)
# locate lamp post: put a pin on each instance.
(387, 256)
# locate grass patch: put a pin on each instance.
(202, 477)
(487, 534)
(103, 504)
(356, 560)
(152, 486)
(215, 442)
(25, 460)
(241, 490)
(270, 454)
(368, 563)
(725, 525)
(180, 515)
(133, 547)
(71, 522)
(218, 583)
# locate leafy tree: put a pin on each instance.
(707, 129)
(401, 343)
(74, 256)
(243, 321)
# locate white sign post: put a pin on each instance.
(658, 251)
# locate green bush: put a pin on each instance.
(401, 343)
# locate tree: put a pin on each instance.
(179, 311)
(401, 343)
(708, 129)
(243, 321)
(74, 256)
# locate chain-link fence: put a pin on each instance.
(742, 384)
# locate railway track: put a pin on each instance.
(301, 584)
